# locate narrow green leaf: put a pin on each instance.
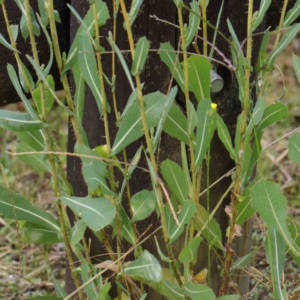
(146, 266)
(168, 55)
(77, 232)
(296, 64)
(170, 221)
(174, 176)
(244, 261)
(245, 209)
(259, 15)
(88, 66)
(273, 113)
(89, 23)
(90, 288)
(37, 234)
(134, 10)
(79, 97)
(45, 298)
(294, 229)
(127, 230)
(95, 212)
(185, 216)
(176, 124)
(12, 204)
(168, 104)
(292, 14)
(275, 252)
(229, 297)
(14, 31)
(22, 78)
(285, 40)
(194, 21)
(169, 289)
(202, 137)
(190, 252)
(198, 291)
(294, 148)
(34, 139)
(142, 205)
(14, 79)
(210, 229)
(192, 120)
(16, 121)
(6, 44)
(140, 56)
(43, 12)
(162, 256)
(199, 76)
(131, 127)
(225, 138)
(262, 55)
(49, 99)
(104, 291)
(35, 160)
(59, 291)
(121, 59)
(271, 204)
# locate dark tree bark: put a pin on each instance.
(154, 75)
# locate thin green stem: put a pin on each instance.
(283, 11)
(148, 140)
(204, 26)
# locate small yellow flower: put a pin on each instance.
(213, 106)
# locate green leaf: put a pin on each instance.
(77, 232)
(209, 229)
(121, 59)
(273, 113)
(256, 115)
(22, 78)
(174, 176)
(34, 139)
(89, 23)
(16, 121)
(131, 127)
(79, 97)
(292, 14)
(245, 209)
(95, 212)
(225, 138)
(170, 221)
(14, 79)
(6, 44)
(171, 290)
(198, 291)
(127, 230)
(35, 160)
(271, 204)
(104, 291)
(296, 64)
(12, 204)
(285, 40)
(168, 104)
(168, 55)
(190, 252)
(244, 261)
(14, 31)
(90, 288)
(199, 76)
(294, 229)
(88, 67)
(37, 234)
(202, 137)
(59, 291)
(142, 205)
(43, 12)
(45, 298)
(140, 56)
(192, 120)
(176, 124)
(275, 253)
(134, 10)
(185, 216)
(162, 256)
(294, 148)
(260, 14)
(49, 99)
(194, 21)
(146, 266)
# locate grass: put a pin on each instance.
(27, 270)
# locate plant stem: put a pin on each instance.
(148, 140)
(204, 26)
(237, 183)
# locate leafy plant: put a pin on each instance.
(175, 185)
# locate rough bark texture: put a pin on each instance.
(7, 91)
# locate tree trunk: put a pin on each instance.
(155, 75)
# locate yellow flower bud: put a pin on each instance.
(213, 106)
